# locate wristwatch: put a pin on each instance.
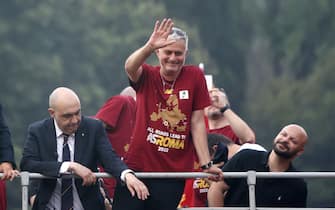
(207, 166)
(223, 109)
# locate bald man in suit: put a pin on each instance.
(88, 145)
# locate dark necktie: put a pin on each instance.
(67, 197)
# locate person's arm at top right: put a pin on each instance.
(238, 125)
(158, 39)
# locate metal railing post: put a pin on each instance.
(24, 183)
(251, 184)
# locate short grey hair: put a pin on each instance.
(177, 33)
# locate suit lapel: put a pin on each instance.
(51, 141)
(80, 141)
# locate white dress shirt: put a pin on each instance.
(55, 200)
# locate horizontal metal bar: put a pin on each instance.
(25, 176)
(162, 175)
(247, 208)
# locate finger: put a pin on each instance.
(213, 178)
(161, 26)
(140, 194)
(131, 190)
(7, 175)
(146, 192)
(94, 179)
(168, 28)
(169, 25)
(139, 191)
(156, 25)
(89, 180)
(166, 24)
(219, 177)
(13, 175)
(143, 192)
(85, 181)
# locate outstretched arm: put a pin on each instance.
(158, 39)
(239, 126)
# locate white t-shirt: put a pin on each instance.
(256, 147)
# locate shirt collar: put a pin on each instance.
(59, 132)
(265, 163)
(265, 158)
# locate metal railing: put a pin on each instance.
(251, 177)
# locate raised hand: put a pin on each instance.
(159, 37)
(219, 98)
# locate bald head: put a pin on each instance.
(299, 132)
(290, 141)
(65, 108)
(62, 95)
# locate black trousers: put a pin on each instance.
(165, 194)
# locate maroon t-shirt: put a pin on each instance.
(161, 141)
(228, 132)
(118, 113)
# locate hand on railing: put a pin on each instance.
(85, 173)
(216, 173)
(135, 186)
(8, 172)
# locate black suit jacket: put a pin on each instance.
(92, 147)
(6, 147)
